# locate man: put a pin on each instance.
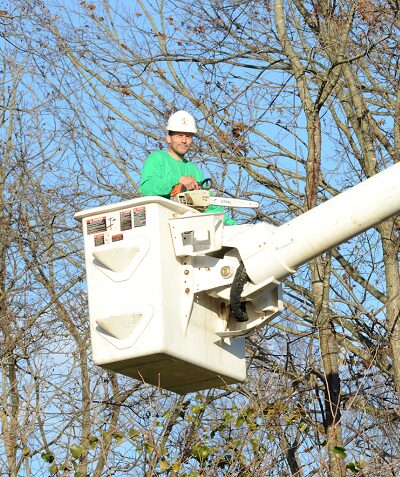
(163, 170)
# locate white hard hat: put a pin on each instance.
(182, 121)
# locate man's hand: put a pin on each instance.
(189, 182)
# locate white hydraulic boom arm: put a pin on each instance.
(269, 254)
(277, 252)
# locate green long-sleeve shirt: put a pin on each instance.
(161, 172)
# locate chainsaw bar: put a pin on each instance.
(202, 199)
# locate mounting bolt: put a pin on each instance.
(226, 271)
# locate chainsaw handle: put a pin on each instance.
(205, 184)
(177, 189)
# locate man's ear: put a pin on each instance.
(168, 139)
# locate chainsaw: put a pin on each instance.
(201, 198)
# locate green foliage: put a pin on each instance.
(76, 451)
(93, 442)
(118, 436)
(26, 451)
(53, 469)
(352, 466)
(201, 452)
(47, 457)
(340, 452)
(164, 465)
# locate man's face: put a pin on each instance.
(179, 143)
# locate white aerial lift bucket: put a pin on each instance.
(149, 318)
(167, 283)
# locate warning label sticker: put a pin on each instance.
(117, 238)
(139, 216)
(97, 225)
(98, 240)
(125, 218)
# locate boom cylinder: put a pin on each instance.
(279, 251)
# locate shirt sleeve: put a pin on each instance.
(156, 178)
(195, 172)
(213, 209)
